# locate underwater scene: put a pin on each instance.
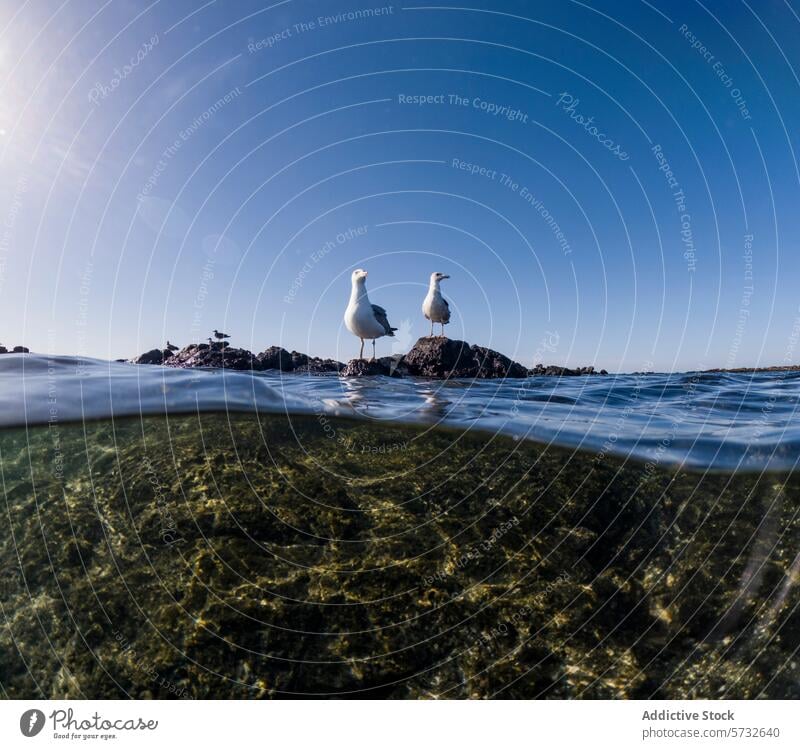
(301, 551)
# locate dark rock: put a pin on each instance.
(217, 355)
(364, 368)
(396, 365)
(440, 357)
(494, 364)
(443, 357)
(20, 350)
(748, 370)
(3, 350)
(316, 365)
(298, 359)
(154, 356)
(220, 355)
(276, 357)
(430, 357)
(552, 371)
(279, 358)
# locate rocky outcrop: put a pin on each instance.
(154, 356)
(750, 370)
(386, 366)
(279, 358)
(276, 357)
(304, 364)
(15, 350)
(315, 365)
(541, 371)
(446, 358)
(494, 364)
(438, 358)
(221, 355)
(216, 355)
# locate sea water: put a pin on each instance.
(191, 533)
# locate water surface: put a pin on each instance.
(723, 421)
(199, 534)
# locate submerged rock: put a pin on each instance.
(443, 357)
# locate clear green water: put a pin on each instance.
(245, 556)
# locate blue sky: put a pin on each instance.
(607, 183)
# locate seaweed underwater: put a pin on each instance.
(254, 555)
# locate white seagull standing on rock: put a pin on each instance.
(435, 306)
(363, 319)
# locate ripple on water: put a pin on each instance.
(719, 420)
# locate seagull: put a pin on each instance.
(220, 336)
(170, 347)
(435, 307)
(363, 319)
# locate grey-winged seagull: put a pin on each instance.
(435, 306)
(362, 318)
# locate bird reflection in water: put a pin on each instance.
(436, 405)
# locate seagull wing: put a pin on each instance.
(446, 311)
(380, 316)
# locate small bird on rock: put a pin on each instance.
(363, 319)
(170, 347)
(220, 336)
(435, 307)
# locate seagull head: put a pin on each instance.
(436, 277)
(359, 276)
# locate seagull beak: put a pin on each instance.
(443, 277)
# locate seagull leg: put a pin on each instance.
(361, 355)
(431, 328)
(373, 349)
(442, 330)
